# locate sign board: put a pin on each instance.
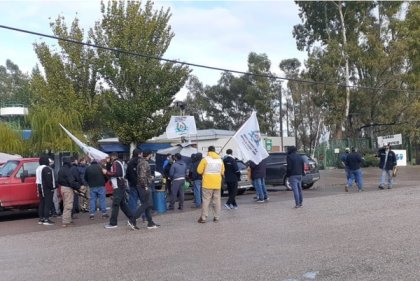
(401, 157)
(391, 139)
(268, 144)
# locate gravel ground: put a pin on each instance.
(371, 235)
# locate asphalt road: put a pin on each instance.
(371, 235)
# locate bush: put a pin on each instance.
(371, 160)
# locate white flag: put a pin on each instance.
(92, 152)
(249, 140)
(181, 126)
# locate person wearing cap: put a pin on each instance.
(354, 161)
(387, 162)
(343, 158)
(68, 184)
(212, 169)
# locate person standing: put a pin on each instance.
(177, 174)
(354, 161)
(144, 189)
(45, 185)
(258, 172)
(343, 158)
(96, 181)
(212, 169)
(83, 200)
(232, 176)
(387, 162)
(295, 171)
(132, 179)
(68, 184)
(197, 179)
(76, 174)
(117, 176)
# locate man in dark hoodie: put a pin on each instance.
(232, 176)
(46, 185)
(258, 180)
(177, 174)
(295, 171)
(132, 179)
(68, 184)
(96, 181)
(196, 178)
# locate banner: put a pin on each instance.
(391, 139)
(181, 126)
(401, 155)
(249, 140)
(92, 152)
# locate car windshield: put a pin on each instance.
(8, 168)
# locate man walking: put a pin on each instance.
(343, 158)
(232, 175)
(68, 184)
(144, 189)
(96, 181)
(46, 186)
(132, 179)
(212, 169)
(177, 174)
(387, 162)
(295, 171)
(117, 176)
(354, 161)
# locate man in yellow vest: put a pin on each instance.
(212, 169)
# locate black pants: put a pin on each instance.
(232, 190)
(119, 201)
(45, 202)
(145, 207)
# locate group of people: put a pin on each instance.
(137, 180)
(352, 162)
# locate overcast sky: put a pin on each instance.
(215, 33)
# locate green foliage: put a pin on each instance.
(11, 141)
(370, 160)
(14, 85)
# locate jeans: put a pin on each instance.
(386, 175)
(145, 207)
(177, 191)
(197, 193)
(233, 190)
(97, 192)
(119, 201)
(133, 199)
(356, 175)
(296, 184)
(259, 185)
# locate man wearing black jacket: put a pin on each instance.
(45, 185)
(68, 184)
(354, 161)
(295, 171)
(132, 180)
(232, 175)
(96, 181)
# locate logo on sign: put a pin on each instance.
(399, 156)
(256, 137)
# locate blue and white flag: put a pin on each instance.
(249, 140)
(181, 126)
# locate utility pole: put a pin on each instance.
(281, 118)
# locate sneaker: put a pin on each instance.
(105, 216)
(48, 222)
(266, 199)
(216, 220)
(132, 225)
(389, 187)
(40, 221)
(297, 206)
(110, 226)
(260, 201)
(66, 224)
(380, 187)
(200, 220)
(235, 207)
(227, 206)
(152, 226)
(346, 188)
(92, 217)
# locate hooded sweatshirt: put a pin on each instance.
(212, 169)
(194, 165)
(178, 170)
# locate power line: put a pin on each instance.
(201, 65)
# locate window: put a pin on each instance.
(8, 168)
(30, 167)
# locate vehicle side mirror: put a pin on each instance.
(24, 175)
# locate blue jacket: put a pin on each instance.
(354, 161)
(232, 173)
(257, 171)
(391, 160)
(295, 164)
(196, 158)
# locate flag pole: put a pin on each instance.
(230, 138)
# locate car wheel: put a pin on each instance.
(307, 186)
(241, 191)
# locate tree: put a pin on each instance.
(11, 141)
(140, 89)
(14, 84)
